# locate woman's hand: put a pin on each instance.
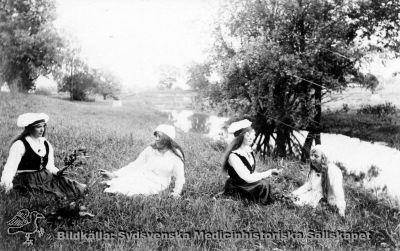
(6, 188)
(175, 195)
(106, 174)
(61, 172)
(270, 172)
(274, 171)
(294, 198)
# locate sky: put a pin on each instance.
(132, 38)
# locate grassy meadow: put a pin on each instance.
(115, 136)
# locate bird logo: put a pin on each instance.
(26, 222)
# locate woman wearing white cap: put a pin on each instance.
(239, 162)
(151, 172)
(30, 164)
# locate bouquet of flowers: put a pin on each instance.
(75, 159)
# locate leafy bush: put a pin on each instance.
(79, 85)
(381, 110)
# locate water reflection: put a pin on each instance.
(200, 123)
(357, 156)
(209, 125)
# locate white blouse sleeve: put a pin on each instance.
(140, 161)
(179, 174)
(17, 150)
(50, 163)
(243, 172)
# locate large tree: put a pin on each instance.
(108, 85)
(76, 77)
(198, 75)
(29, 43)
(168, 76)
(79, 85)
(280, 58)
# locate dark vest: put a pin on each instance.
(232, 173)
(31, 161)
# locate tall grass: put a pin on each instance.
(115, 136)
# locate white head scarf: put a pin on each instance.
(167, 130)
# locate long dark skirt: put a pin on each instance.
(44, 181)
(259, 191)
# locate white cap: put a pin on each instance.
(318, 148)
(167, 130)
(236, 126)
(29, 118)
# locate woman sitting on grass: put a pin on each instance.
(325, 180)
(240, 164)
(151, 172)
(30, 164)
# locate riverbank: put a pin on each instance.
(363, 126)
(115, 136)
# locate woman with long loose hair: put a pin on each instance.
(324, 180)
(30, 165)
(153, 169)
(240, 164)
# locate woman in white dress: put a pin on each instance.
(325, 180)
(153, 169)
